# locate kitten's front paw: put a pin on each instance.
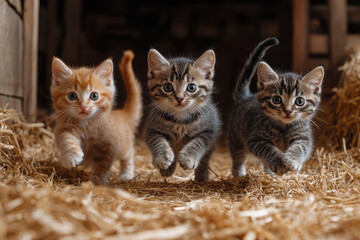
(187, 160)
(293, 165)
(169, 171)
(268, 171)
(70, 160)
(278, 167)
(164, 161)
(240, 171)
(126, 176)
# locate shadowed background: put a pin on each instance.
(87, 32)
(80, 32)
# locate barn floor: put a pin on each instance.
(40, 200)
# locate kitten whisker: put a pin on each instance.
(322, 120)
(320, 109)
(317, 126)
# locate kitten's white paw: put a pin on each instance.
(293, 165)
(70, 160)
(292, 162)
(187, 160)
(241, 172)
(126, 176)
(164, 161)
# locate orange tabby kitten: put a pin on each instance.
(87, 130)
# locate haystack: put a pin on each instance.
(344, 116)
(41, 200)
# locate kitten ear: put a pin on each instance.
(105, 72)
(265, 75)
(205, 63)
(60, 71)
(156, 62)
(314, 78)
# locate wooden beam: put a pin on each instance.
(300, 34)
(31, 32)
(338, 35)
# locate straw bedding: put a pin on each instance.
(41, 200)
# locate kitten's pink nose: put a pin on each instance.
(179, 99)
(288, 112)
(83, 107)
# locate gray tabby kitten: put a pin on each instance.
(184, 123)
(275, 123)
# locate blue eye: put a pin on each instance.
(94, 96)
(276, 100)
(72, 96)
(168, 87)
(300, 101)
(191, 87)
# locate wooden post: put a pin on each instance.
(31, 31)
(300, 34)
(338, 34)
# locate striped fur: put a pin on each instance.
(274, 124)
(87, 130)
(183, 125)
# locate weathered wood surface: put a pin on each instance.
(31, 32)
(16, 4)
(11, 51)
(10, 102)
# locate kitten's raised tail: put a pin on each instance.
(133, 103)
(242, 88)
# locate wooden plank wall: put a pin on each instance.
(18, 55)
(11, 54)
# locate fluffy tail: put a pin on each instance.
(133, 103)
(242, 88)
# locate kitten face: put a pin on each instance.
(81, 93)
(179, 85)
(288, 97)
